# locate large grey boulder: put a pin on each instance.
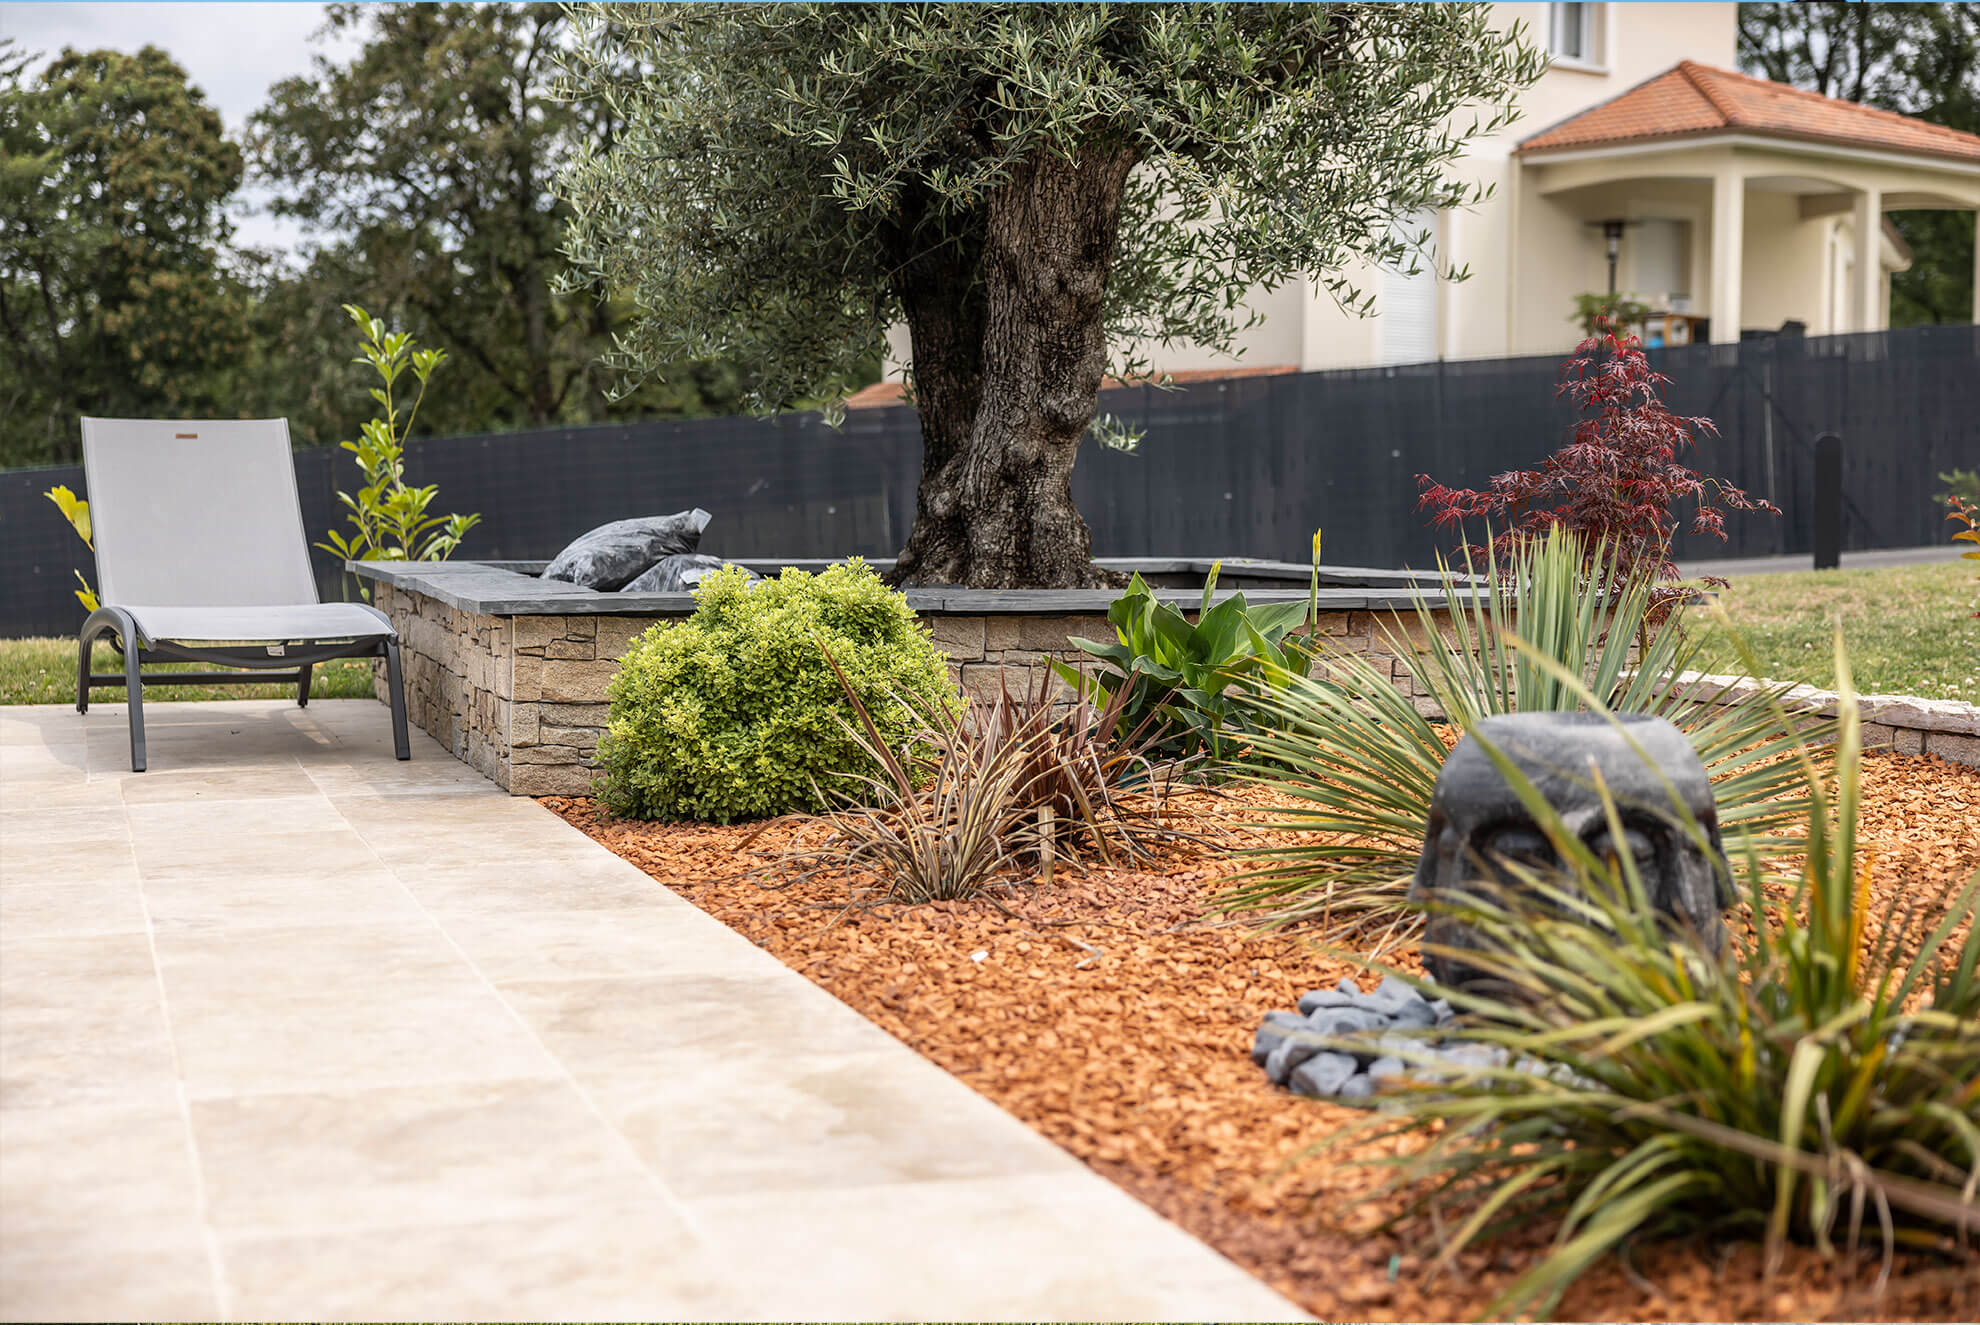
(613, 555)
(1480, 835)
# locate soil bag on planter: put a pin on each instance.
(613, 555)
(680, 573)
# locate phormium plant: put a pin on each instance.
(1618, 480)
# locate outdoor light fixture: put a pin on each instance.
(1612, 232)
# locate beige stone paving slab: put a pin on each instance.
(196, 786)
(1066, 1246)
(816, 1121)
(327, 854)
(565, 878)
(335, 1042)
(72, 1170)
(195, 901)
(218, 971)
(666, 938)
(594, 1262)
(81, 1023)
(23, 768)
(415, 1155)
(24, 829)
(289, 816)
(59, 910)
(629, 1033)
(113, 1272)
(92, 862)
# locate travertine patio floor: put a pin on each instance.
(289, 1029)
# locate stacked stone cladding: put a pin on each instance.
(523, 699)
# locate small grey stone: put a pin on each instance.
(1345, 1021)
(1414, 1014)
(1321, 998)
(1355, 1088)
(1474, 1055)
(1398, 993)
(1323, 1074)
(1385, 1067)
(1400, 1046)
(1277, 1026)
(1295, 1049)
(1442, 1007)
(1348, 987)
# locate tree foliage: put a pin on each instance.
(116, 296)
(425, 161)
(1917, 59)
(1028, 188)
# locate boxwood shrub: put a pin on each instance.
(735, 714)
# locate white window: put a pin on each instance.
(1574, 34)
(1406, 308)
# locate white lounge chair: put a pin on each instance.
(201, 557)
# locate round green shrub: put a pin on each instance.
(735, 714)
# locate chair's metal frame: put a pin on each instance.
(295, 663)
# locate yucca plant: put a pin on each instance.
(1012, 785)
(1819, 1086)
(1360, 762)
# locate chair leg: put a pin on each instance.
(85, 646)
(134, 694)
(395, 682)
(302, 686)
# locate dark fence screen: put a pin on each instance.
(1244, 467)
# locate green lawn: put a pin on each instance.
(43, 671)
(1910, 630)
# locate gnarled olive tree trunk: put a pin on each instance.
(1009, 350)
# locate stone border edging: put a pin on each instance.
(1904, 724)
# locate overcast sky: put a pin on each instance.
(231, 51)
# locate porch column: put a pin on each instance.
(1728, 239)
(1866, 288)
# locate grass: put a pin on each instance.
(43, 671)
(1910, 630)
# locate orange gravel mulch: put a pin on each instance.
(1113, 1015)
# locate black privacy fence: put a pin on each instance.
(1244, 467)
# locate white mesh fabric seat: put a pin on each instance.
(201, 556)
(293, 623)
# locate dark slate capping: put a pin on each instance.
(506, 589)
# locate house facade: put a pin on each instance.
(1727, 204)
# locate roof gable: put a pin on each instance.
(1691, 100)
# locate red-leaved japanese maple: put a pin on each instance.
(1617, 480)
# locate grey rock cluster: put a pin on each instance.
(1292, 1048)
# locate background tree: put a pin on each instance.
(115, 294)
(425, 162)
(1917, 59)
(1023, 186)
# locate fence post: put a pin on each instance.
(1828, 501)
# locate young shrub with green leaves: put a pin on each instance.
(389, 517)
(1819, 1086)
(735, 713)
(1175, 674)
(1349, 746)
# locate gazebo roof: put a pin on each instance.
(1693, 100)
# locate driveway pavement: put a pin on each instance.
(291, 1030)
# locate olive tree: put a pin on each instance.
(1024, 187)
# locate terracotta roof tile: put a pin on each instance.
(1693, 99)
(889, 393)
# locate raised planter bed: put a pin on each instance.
(509, 671)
